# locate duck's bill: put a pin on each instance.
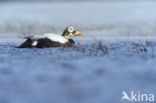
(79, 34)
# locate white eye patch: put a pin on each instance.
(70, 29)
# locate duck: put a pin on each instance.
(52, 40)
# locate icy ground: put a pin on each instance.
(95, 71)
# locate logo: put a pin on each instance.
(137, 97)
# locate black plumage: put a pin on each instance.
(46, 43)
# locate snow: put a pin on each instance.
(116, 54)
(73, 75)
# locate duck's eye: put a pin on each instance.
(70, 30)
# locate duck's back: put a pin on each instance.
(52, 37)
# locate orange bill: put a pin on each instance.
(79, 34)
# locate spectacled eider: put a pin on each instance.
(52, 40)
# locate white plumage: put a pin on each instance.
(52, 37)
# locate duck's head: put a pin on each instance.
(71, 31)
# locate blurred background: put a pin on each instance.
(20, 18)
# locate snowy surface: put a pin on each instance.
(84, 74)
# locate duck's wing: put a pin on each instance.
(45, 40)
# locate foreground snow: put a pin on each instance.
(93, 72)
